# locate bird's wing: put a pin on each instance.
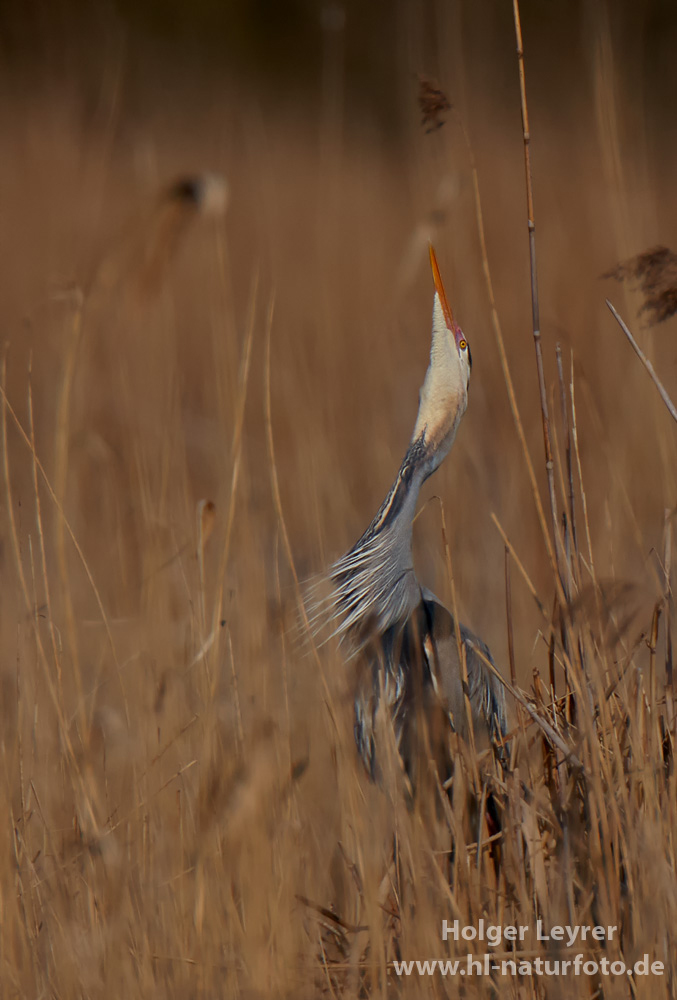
(486, 693)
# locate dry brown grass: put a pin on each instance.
(178, 768)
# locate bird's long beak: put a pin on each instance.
(439, 288)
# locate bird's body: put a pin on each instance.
(416, 669)
(410, 650)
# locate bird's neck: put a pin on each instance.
(398, 508)
(375, 584)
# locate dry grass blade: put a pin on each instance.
(500, 342)
(76, 545)
(236, 447)
(460, 646)
(535, 308)
(672, 410)
(549, 731)
(280, 514)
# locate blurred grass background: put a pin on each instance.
(157, 708)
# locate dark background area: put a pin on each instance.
(286, 50)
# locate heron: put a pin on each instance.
(410, 649)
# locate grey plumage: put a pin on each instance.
(405, 638)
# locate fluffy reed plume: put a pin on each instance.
(138, 259)
(433, 104)
(655, 274)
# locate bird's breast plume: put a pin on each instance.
(373, 586)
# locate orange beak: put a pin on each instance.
(439, 288)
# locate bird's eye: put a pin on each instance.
(463, 344)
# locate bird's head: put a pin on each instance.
(444, 395)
